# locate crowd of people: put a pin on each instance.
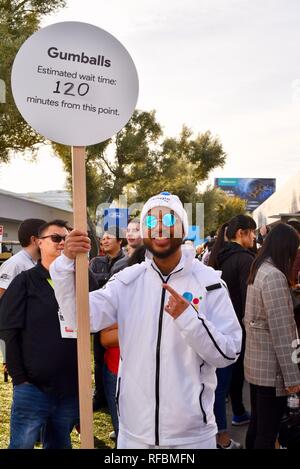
(175, 333)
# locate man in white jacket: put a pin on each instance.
(176, 326)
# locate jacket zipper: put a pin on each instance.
(160, 321)
(201, 404)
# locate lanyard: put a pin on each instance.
(50, 281)
(65, 331)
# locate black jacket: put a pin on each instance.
(119, 265)
(235, 262)
(101, 267)
(29, 325)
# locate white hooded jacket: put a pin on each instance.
(166, 380)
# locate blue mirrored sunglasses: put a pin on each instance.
(168, 220)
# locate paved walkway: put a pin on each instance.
(239, 433)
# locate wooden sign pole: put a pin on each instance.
(82, 303)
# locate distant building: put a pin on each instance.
(59, 199)
(14, 208)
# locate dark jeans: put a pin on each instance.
(223, 377)
(35, 413)
(110, 386)
(99, 394)
(237, 384)
(266, 414)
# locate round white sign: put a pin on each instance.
(74, 83)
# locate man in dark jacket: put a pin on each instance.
(42, 364)
(101, 266)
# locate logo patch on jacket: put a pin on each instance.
(195, 301)
(5, 276)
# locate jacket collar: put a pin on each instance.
(184, 265)
(44, 273)
(112, 260)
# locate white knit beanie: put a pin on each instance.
(165, 199)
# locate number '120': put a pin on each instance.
(82, 89)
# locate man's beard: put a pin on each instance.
(175, 244)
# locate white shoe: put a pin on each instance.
(112, 435)
(232, 445)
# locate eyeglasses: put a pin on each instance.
(55, 238)
(168, 220)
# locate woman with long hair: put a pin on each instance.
(232, 254)
(270, 332)
(219, 244)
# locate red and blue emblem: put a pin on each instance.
(194, 300)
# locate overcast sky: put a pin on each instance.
(228, 66)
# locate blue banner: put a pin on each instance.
(255, 191)
(115, 217)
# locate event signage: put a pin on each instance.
(74, 83)
(254, 190)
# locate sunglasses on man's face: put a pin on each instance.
(55, 238)
(168, 220)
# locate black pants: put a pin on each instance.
(99, 394)
(266, 414)
(237, 384)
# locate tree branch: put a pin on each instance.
(108, 165)
(18, 7)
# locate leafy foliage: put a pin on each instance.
(118, 163)
(219, 207)
(18, 20)
(139, 162)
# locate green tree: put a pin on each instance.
(138, 162)
(219, 208)
(18, 20)
(230, 207)
(116, 165)
(182, 164)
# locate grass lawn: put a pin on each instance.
(102, 422)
